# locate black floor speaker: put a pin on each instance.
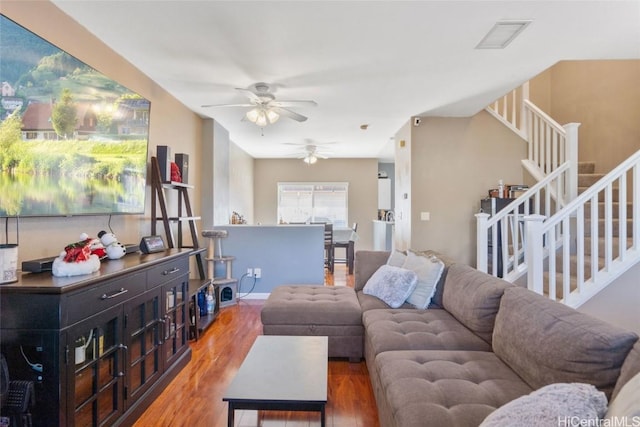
(163, 153)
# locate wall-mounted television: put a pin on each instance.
(72, 141)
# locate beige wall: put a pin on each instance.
(171, 124)
(604, 96)
(454, 162)
(361, 174)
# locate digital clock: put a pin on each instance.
(150, 244)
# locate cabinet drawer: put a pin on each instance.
(95, 299)
(166, 271)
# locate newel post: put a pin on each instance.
(534, 254)
(571, 155)
(481, 241)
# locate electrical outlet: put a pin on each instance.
(250, 272)
(257, 273)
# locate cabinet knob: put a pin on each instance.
(173, 270)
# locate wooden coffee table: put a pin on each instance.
(281, 373)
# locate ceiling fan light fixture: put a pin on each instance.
(272, 116)
(310, 159)
(262, 119)
(252, 115)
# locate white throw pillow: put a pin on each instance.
(428, 270)
(391, 284)
(552, 406)
(626, 405)
(397, 258)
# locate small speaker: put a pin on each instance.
(182, 160)
(163, 152)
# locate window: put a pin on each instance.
(302, 202)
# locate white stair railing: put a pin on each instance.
(552, 160)
(506, 227)
(594, 239)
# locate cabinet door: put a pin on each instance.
(176, 312)
(143, 333)
(95, 369)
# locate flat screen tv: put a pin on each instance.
(72, 141)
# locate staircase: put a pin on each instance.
(586, 179)
(573, 232)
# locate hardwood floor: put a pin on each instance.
(194, 397)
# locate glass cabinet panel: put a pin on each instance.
(176, 321)
(144, 334)
(96, 355)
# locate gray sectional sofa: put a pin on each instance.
(482, 343)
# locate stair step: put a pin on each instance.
(573, 264)
(616, 210)
(573, 284)
(615, 245)
(615, 224)
(588, 179)
(586, 167)
(614, 194)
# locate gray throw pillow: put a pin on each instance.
(428, 269)
(552, 406)
(393, 285)
(396, 258)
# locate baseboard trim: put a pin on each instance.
(253, 295)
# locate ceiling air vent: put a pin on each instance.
(502, 34)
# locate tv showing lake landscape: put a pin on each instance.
(72, 140)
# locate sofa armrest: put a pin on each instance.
(366, 263)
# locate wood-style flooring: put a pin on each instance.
(194, 397)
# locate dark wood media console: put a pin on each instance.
(101, 347)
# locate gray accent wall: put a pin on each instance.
(287, 254)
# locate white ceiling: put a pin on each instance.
(363, 62)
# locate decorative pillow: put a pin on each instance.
(578, 403)
(393, 285)
(397, 258)
(428, 270)
(626, 405)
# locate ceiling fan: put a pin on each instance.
(312, 151)
(265, 109)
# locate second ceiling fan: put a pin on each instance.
(265, 109)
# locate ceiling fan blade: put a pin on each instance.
(227, 105)
(293, 104)
(291, 114)
(252, 96)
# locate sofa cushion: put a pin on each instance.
(473, 297)
(311, 305)
(410, 329)
(428, 269)
(445, 388)
(546, 342)
(392, 285)
(369, 302)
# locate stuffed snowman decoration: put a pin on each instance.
(115, 249)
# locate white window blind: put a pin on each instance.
(304, 202)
